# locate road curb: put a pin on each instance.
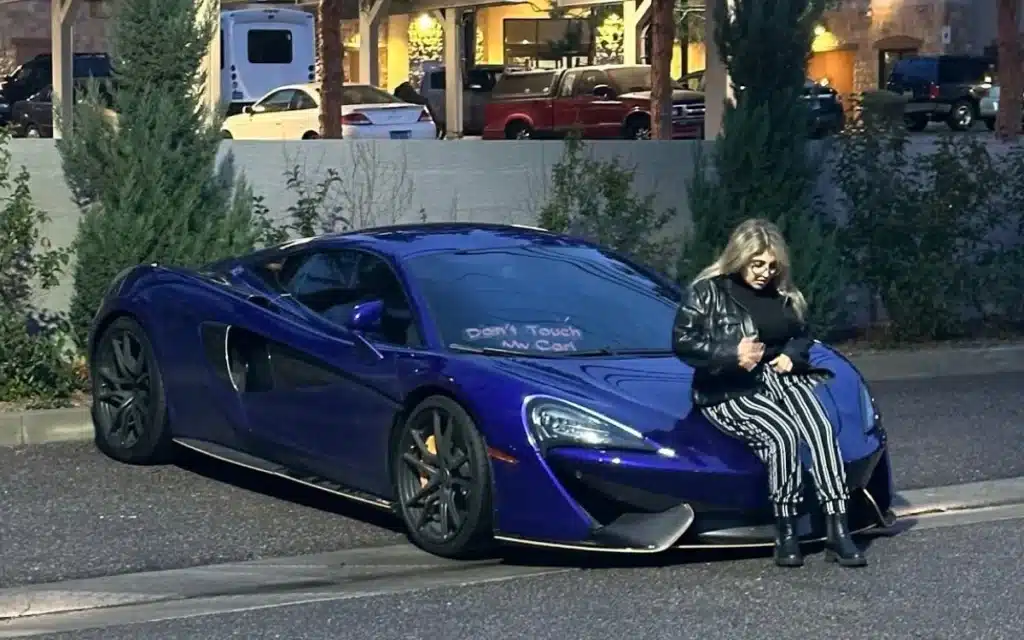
(19, 428)
(973, 495)
(69, 425)
(878, 366)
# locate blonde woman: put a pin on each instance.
(742, 330)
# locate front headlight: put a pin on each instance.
(553, 422)
(867, 408)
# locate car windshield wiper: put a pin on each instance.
(494, 351)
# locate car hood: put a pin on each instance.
(652, 394)
(644, 391)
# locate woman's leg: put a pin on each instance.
(815, 427)
(772, 435)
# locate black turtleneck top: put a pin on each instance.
(776, 323)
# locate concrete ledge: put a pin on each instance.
(63, 425)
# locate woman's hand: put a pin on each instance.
(750, 353)
(782, 364)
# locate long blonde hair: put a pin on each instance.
(750, 238)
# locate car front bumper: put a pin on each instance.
(630, 502)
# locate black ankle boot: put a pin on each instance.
(839, 546)
(787, 544)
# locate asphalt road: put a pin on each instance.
(957, 582)
(68, 512)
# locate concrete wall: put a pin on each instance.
(391, 181)
(388, 182)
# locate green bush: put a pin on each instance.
(34, 364)
(150, 186)
(933, 230)
(595, 199)
(762, 165)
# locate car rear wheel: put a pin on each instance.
(442, 480)
(961, 117)
(916, 122)
(129, 410)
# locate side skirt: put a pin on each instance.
(254, 463)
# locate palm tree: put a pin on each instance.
(1008, 118)
(663, 35)
(330, 69)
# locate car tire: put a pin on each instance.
(990, 123)
(916, 122)
(637, 128)
(433, 481)
(32, 131)
(518, 130)
(129, 408)
(226, 135)
(961, 116)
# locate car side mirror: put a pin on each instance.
(604, 91)
(366, 316)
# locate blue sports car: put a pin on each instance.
(486, 383)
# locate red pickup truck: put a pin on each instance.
(607, 101)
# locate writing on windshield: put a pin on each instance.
(526, 336)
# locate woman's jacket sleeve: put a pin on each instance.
(692, 339)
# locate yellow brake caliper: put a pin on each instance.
(432, 448)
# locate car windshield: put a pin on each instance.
(545, 300)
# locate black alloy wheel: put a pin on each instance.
(128, 408)
(442, 480)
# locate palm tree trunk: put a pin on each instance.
(330, 69)
(1008, 118)
(663, 34)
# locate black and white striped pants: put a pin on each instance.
(773, 422)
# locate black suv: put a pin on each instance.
(36, 73)
(827, 113)
(941, 88)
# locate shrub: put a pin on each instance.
(595, 199)
(150, 185)
(762, 165)
(933, 230)
(34, 365)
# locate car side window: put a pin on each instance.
(302, 101)
(568, 82)
(277, 101)
(588, 81)
(331, 283)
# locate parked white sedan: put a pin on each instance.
(292, 112)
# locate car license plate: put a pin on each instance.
(400, 135)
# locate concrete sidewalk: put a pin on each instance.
(60, 425)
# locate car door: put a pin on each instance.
(599, 116)
(334, 394)
(264, 120)
(303, 115)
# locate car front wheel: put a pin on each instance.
(442, 480)
(129, 410)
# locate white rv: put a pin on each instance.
(262, 49)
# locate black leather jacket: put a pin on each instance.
(706, 334)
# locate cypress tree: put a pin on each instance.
(148, 179)
(761, 165)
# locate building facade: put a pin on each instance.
(854, 47)
(25, 30)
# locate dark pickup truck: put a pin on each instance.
(608, 101)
